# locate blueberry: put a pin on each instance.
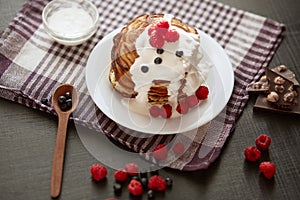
(63, 106)
(158, 60)
(69, 103)
(150, 194)
(144, 69)
(169, 181)
(144, 175)
(159, 51)
(62, 99)
(155, 172)
(179, 53)
(44, 101)
(68, 95)
(144, 182)
(135, 178)
(117, 188)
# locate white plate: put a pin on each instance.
(220, 83)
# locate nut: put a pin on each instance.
(295, 93)
(289, 97)
(281, 68)
(279, 88)
(292, 76)
(279, 80)
(273, 97)
(257, 85)
(264, 78)
(265, 86)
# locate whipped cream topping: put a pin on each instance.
(172, 68)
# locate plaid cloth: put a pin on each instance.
(32, 65)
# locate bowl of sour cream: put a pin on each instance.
(70, 22)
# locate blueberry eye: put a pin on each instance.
(157, 60)
(144, 69)
(159, 51)
(179, 53)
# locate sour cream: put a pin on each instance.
(70, 22)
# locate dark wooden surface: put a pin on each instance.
(27, 139)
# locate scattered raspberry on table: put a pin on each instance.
(157, 183)
(132, 169)
(263, 142)
(268, 169)
(252, 153)
(121, 175)
(98, 172)
(135, 188)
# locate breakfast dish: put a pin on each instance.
(157, 64)
(113, 104)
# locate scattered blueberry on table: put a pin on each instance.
(44, 101)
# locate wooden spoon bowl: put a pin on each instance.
(60, 91)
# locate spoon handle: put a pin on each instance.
(58, 157)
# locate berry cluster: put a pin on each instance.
(183, 106)
(160, 33)
(65, 101)
(138, 182)
(253, 154)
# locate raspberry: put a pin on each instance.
(160, 152)
(166, 111)
(178, 148)
(157, 183)
(154, 111)
(121, 175)
(202, 92)
(263, 142)
(132, 169)
(252, 153)
(192, 101)
(171, 35)
(151, 30)
(135, 188)
(162, 27)
(98, 172)
(156, 40)
(163, 24)
(268, 169)
(182, 108)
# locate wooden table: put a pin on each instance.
(27, 139)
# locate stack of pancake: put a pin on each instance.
(124, 53)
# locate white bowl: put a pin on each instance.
(70, 22)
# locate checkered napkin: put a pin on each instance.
(32, 65)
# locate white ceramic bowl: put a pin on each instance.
(70, 22)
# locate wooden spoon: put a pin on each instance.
(59, 151)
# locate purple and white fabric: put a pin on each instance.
(32, 65)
